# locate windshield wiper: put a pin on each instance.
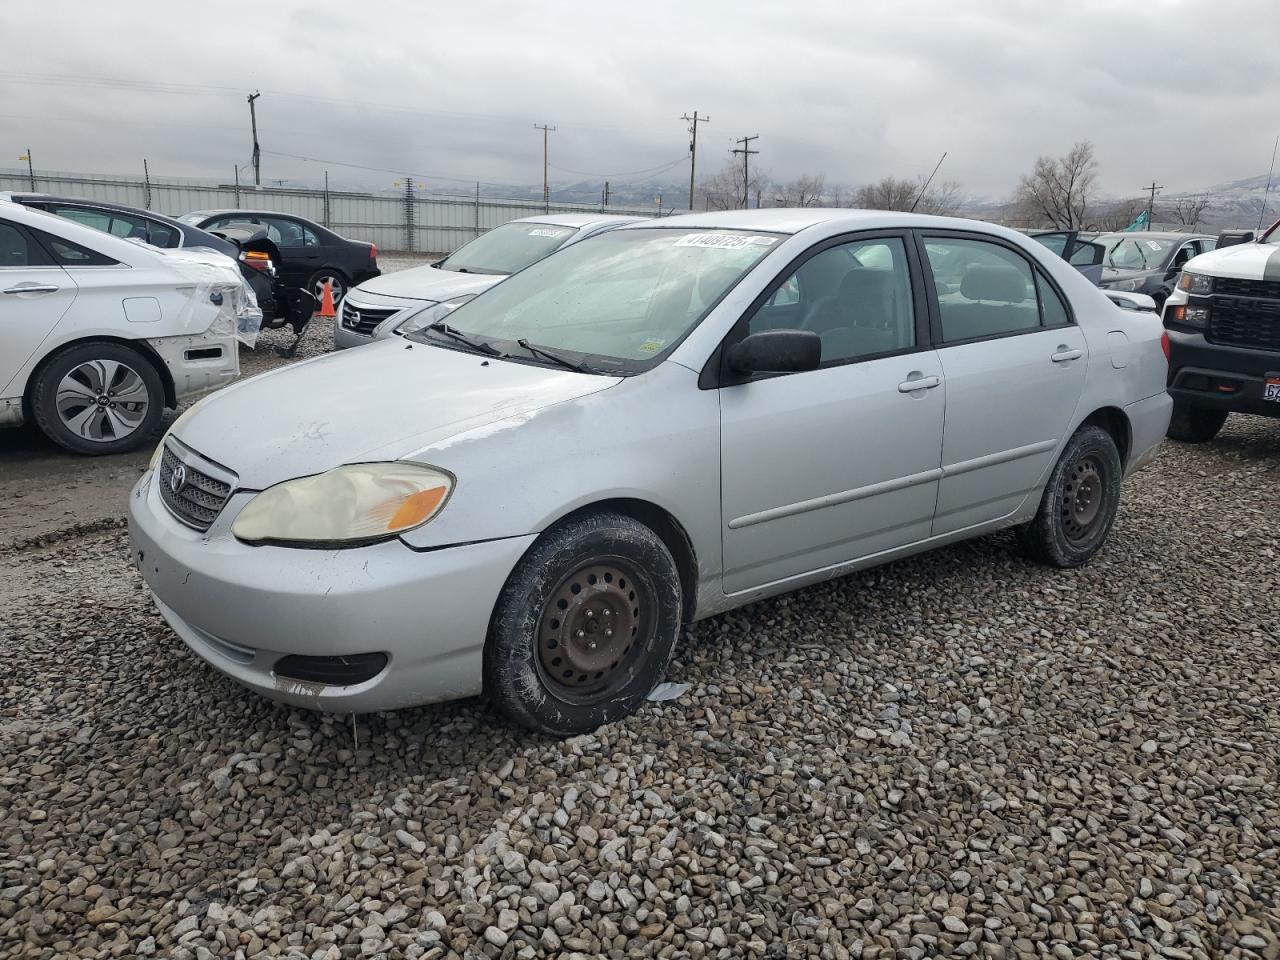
(441, 327)
(554, 357)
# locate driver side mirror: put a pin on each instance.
(776, 351)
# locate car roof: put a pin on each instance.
(796, 219)
(1157, 234)
(253, 213)
(577, 219)
(103, 204)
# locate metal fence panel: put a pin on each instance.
(429, 223)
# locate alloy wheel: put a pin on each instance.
(102, 400)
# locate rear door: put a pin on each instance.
(830, 465)
(1015, 365)
(34, 294)
(300, 250)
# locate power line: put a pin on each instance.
(661, 168)
(746, 152)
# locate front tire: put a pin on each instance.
(585, 626)
(98, 398)
(1195, 424)
(1079, 503)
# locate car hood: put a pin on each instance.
(429, 283)
(381, 402)
(1244, 261)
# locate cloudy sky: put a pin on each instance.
(1184, 92)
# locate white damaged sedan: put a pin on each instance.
(530, 494)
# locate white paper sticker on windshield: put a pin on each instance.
(1153, 245)
(544, 232)
(724, 241)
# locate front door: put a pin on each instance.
(34, 294)
(1015, 366)
(838, 463)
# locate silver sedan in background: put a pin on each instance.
(376, 308)
(651, 426)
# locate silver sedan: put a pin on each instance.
(530, 497)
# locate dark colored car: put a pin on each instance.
(1148, 262)
(256, 256)
(310, 254)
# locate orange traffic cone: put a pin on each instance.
(326, 301)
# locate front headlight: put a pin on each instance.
(429, 315)
(1196, 283)
(1126, 285)
(351, 505)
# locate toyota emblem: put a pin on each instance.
(177, 479)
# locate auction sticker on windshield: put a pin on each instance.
(544, 232)
(724, 241)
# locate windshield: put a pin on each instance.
(618, 301)
(508, 248)
(1135, 253)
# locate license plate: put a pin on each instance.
(1271, 389)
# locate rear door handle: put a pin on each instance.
(32, 288)
(923, 383)
(1065, 353)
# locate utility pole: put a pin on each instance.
(326, 198)
(257, 153)
(237, 186)
(746, 152)
(146, 180)
(693, 147)
(31, 173)
(546, 183)
(1151, 203)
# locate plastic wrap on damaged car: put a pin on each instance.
(221, 300)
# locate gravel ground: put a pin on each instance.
(961, 754)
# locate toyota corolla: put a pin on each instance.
(530, 494)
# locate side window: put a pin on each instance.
(855, 296)
(284, 233)
(90, 218)
(14, 250)
(984, 289)
(162, 235)
(68, 254)
(309, 238)
(1054, 310)
(1185, 253)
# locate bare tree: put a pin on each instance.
(1117, 215)
(893, 193)
(1186, 210)
(1059, 192)
(807, 190)
(724, 189)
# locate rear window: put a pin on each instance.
(70, 254)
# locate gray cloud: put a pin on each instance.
(1165, 89)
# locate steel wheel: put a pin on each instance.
(592, 626)
(1082, 499)
(102, 401)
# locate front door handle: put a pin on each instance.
(1065, 353)
(32, 288)
(921, 383)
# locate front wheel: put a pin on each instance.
(1079, 502)
(1195, 424)
(584, 627)
(98, 398)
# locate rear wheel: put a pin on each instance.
(337, 283)
(1195, 424)
(98, 398)
(1079, 502)
(584, 627)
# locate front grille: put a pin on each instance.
(198, 499)
(1245, 322)
(1235, 287)
(362, 320)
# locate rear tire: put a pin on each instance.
(338, 285)
(98, 398)
(584, 627)
(1195, 424)
(1079, 503)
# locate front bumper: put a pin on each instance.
(244, 608)
(1214, 376)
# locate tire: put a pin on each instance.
(1079, 503)
(551, 663)
(98, 398)
(338, 280)
(1195, 424)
